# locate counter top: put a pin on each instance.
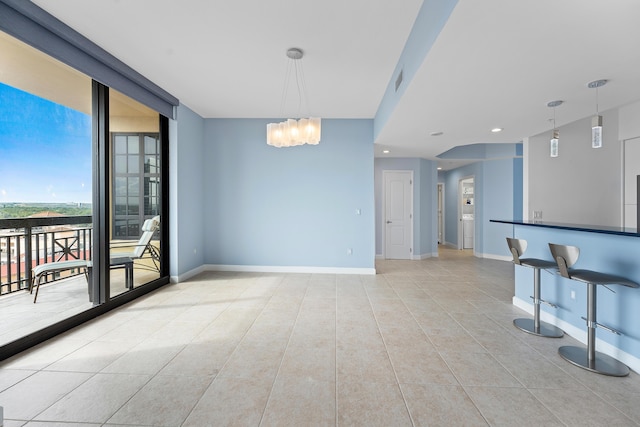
(603, 229)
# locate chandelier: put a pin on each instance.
(293, 132)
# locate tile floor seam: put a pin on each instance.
(152, 377)
(275, 377)
(395, 374)
(600, 397)
(528, 391)
(335, 353)
(65, 395)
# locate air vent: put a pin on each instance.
(399, 80)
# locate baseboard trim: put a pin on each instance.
(187, 275)
(289, 269)
(496, 257)
(580, 334)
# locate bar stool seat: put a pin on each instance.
(589, 358)
(533, 326)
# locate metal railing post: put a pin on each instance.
(27, 254)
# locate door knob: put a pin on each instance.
(388, 222)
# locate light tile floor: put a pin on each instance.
(421, 343)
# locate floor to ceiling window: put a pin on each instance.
(45, 187)
(81, 180)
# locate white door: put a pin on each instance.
(398, 214)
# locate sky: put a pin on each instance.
(45, 150)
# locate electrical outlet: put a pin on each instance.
(349, 251)
(573, 294)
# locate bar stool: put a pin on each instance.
(533, 326)
(589, 358)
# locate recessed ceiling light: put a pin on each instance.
(385, 151)
(496, 130)
(439, 168)
(436, 133)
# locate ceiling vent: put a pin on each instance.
(399, 80)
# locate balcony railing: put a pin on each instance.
(27, 242)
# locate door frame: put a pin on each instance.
(459, 204)
(440, 205)
(384, 211)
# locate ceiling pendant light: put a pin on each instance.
(555, 135)
(292, 132)
(596, 121)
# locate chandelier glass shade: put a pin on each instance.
(292, 132)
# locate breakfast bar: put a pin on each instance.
(610, 250)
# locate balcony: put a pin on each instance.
(28, 242)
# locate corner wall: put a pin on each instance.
(186, 136)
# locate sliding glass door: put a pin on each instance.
(136, 193)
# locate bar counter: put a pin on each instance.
(606, 249)
(603, 229)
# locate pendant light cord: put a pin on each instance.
(295, 66)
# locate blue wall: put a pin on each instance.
(187, 203)
(297, 206)
(425, 231)
(497, 203)
(428, 208)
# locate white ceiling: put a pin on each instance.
(496, 63)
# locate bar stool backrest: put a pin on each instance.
(565, 256)
(517, 248)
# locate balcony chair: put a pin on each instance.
(40, 271)
(142, 249)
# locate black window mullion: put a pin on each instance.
(101, 201)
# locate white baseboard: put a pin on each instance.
(496, 257)
(580, 334)
(288, 269)
(269, 269)
(188, 275)
(414, 257)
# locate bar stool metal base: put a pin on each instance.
(602, 364)
(545, 329)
